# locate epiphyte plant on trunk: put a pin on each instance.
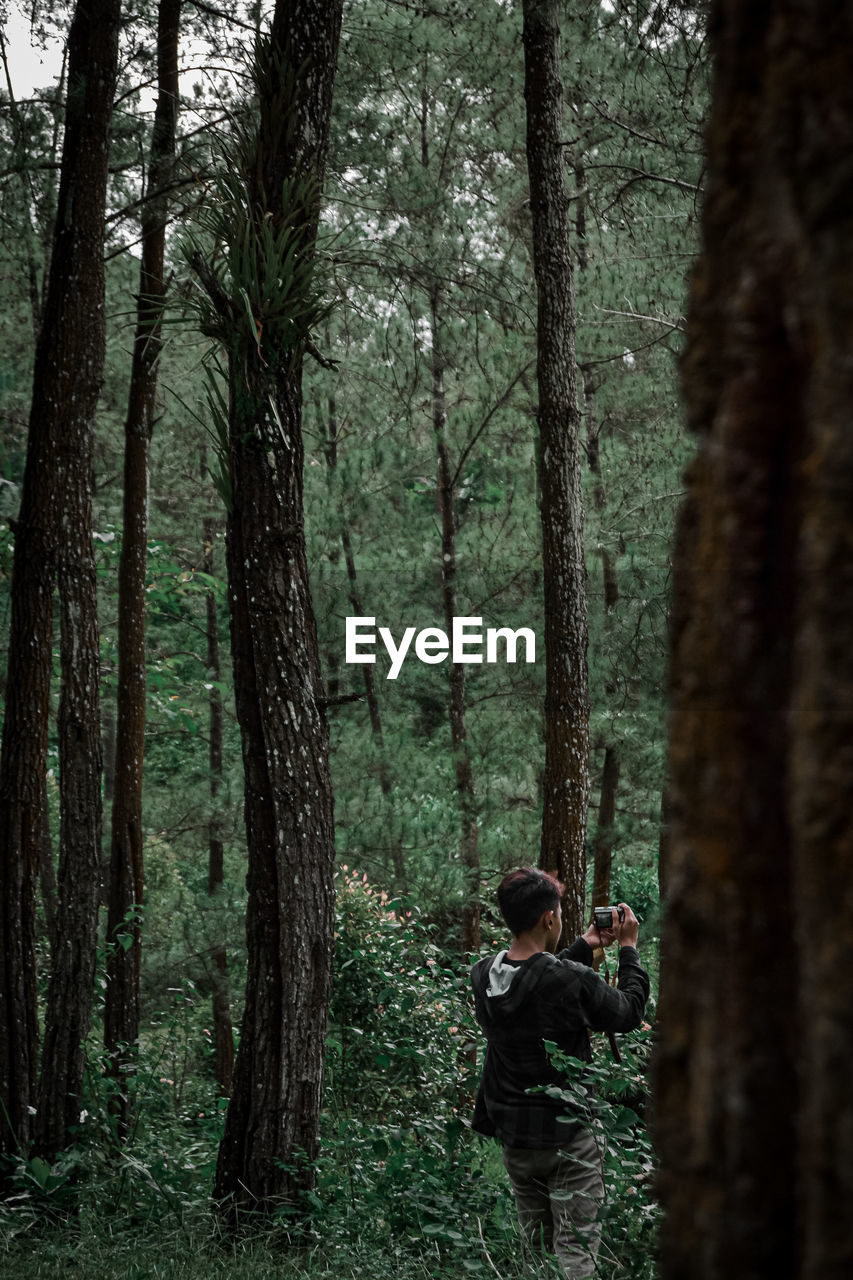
(260, 297)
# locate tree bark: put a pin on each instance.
(68, 372)
(271, 1131)
(566, 779)
(756, 1031)
(69, 994)
(121, 1012)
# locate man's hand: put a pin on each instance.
(628, 931)
(598, 937)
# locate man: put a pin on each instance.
(523, 997)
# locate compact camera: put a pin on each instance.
(603, 916)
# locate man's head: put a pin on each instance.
(524, 896)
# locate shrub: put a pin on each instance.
(612, 1096)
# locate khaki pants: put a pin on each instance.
(558, 1192)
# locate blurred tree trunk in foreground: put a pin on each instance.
(53, 535)
(757, 1004)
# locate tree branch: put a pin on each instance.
(325, 362)
(650, 177)
(226, 17)
(499, 403)
(635, 315)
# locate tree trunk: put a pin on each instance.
(68, 372)
(756, 1031)
(368, 679)
(108, 752)
(274, 1109)
(566, 779)
(602, 848)
(272, 1124)
(468, 844)
(223, 1030)
(603, 844)
(69, 994)
(121, 1012)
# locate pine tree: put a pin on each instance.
(566, 779)
(263, 306)
(121, 1010)
(53, 540)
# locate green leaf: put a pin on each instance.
(39, 1170)
(624, 1120)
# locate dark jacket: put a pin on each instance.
(520, 1006)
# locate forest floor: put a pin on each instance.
(151, 1254)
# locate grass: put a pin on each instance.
(88, 1248)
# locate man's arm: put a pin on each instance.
(621, 1008)
(580, 951)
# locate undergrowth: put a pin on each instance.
(403, 1188)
